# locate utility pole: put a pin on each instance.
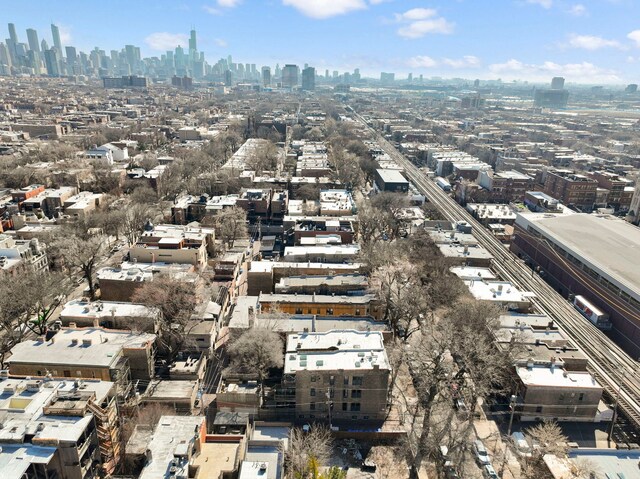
(512, 405)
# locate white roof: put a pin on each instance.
(556, 377)
(336, 349)
(501, 291)
(104, 350)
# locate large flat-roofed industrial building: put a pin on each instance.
(595, 256)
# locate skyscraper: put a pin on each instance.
(192, 41)
(557, 83)
(51, 62)
(72, 61)
(290, 76)
(309, 79)
(266, 76)
(12, 33)
(32, 37)
(55, 33)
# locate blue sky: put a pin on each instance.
(588, 41)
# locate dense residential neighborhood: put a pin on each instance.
(209, 271)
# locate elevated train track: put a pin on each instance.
(616, 371)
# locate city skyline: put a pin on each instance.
(586, 42)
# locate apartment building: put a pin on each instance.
(505, 186)
(175, 244)
(58, 428)
(571, 189)
(88, 353)
(324, 305)
(17, 255)
(619, 189)
(339, 377)
(552, 392)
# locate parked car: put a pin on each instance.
(482, 456)
(523, 448)
(489, 472)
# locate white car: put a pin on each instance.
(482, 456)
(521, 444)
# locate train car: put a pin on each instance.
(442, 183)
(593, 314)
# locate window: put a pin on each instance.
(344, 406)
(329, 311)
(309, 311)
(312, 392)
(312, 406)
(365, 417)
(355, 406)
(313, 379)
(561, 397)
(345, 394)
(298, 310)
(354, 417)
(357, 312)
(581, 397)
(539, 409)
(346, 380)
(356, 394)
(357, 381)
(318, 311)
(67, 374)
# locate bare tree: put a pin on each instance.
(134, 218)
(80, 251)
(548, 439)
(257, 350)
(402, 296)
(306, 449)
(173, 303)
(231, 225)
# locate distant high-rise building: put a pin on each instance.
(44, 45)
(326, 73)
(12, 33)
(410, 77)
(631, 88)
(55, 34)
(5, 57)
(476, 83)
(228, 78)
(309, 79)
(551, 98)
(387, 78)
(72, 61)
(32, 37)
(290, 76)
(266, 76)
(51, 62)
(192, 41)
(557, 83)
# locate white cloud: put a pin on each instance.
(229, 3)
(591, 42)
(416, 14)
(635, 37)
(162, 41)
(578, 10)
(419, 22)
(321, 9)
(220, 42)
(421, 61)
(584, 72)
(423, 27)
(211, 10)
(543, 3)
(467, 61)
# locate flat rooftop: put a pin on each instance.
(391, 176)
(336, 349)
(616, 463)
(315, 298)
(102, 351)
(500, 291)
(556, 377)
(471, 272)
(171, 438)
(606, 244)
(16, 458)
